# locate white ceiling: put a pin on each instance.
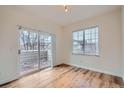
(56, 13)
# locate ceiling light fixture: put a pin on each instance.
(66, 8)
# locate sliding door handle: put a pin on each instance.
(19, 51)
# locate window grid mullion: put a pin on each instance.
(84, 41)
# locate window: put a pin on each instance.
(86, 41)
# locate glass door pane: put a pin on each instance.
(29, 57)
(45, 50)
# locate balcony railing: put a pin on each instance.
(30, 60)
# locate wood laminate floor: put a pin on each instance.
(65, 76)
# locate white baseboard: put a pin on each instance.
(94, 69)
(8, 80)
(58, 64)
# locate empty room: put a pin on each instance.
(61, 46)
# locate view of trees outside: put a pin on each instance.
(86, 41)
(29, 40)
(30, 44)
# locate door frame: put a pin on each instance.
(38, 32)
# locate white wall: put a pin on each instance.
(10, 17)
(110, 59)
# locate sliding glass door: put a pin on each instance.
(35, 50)
(45, 50)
